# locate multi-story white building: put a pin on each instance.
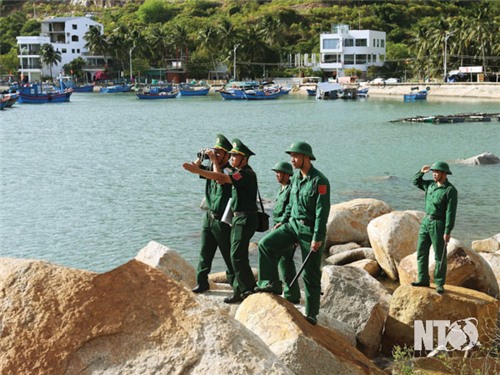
(66, 34)
(343, 48)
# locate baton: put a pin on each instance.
(301, 269)
(443, 256)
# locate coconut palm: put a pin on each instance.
(96, 42)
(208, 40)
(49, 56)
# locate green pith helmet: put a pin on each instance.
(222, 143)
(441, 166)
(284, 167)
(240, 148)
(301, 148)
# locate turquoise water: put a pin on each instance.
(88, 183)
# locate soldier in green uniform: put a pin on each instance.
(304, 222)
(215, 233)
(286, 263)
(441, 199)
(244, 208)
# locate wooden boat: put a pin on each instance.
(363, 93)
(311, 92)
(35, 94)
(116, 88)
(328, 90)
(260, 95)
(153, 95)
(193, 90)
(68, 83)
(232, 94)
(416, 94)
(83, 88)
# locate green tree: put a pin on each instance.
(49, 56)
(75, 67)
(96, 42)
(156, 11)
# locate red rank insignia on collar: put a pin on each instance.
(237, 176)
(322, 189)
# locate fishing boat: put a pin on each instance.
(260, 95)
(232, 94)
(9, 99)
(35, 93)
(311, 92)
(188, 89)
(83, 88)
(68, 83)
(116, 88)
(416, 94)
(363, 93)
(156, 94)
(328, 90)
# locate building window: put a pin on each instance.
(360, 59)
(74, 38)
(73, 50)
(361, 42)
(374, 58)
(78, 50)
(348, 42)
(378, 42)
(329, 59)
(74, 27)
(331, 44)
(382, 42)
(374, 42)
(349, 59)
(63, 50)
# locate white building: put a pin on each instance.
(66, 34)
(343, 48)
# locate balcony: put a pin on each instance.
(331, 66)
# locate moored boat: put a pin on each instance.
(416, 94)
(3, 103)
(188, 89)
(116, 88)
(260, 95)
(153, 95)
(232, 94)
(36, 94)
(363, 93)
(311, 92)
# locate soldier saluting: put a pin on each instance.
(441, 199)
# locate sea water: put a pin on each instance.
(89, 183)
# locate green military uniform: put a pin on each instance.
(440, 208)
(286, 263)
(244, 221)
(214, 232)
(304, 221)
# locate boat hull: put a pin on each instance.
(116, 89)
(202, 92)
(88, 88)
(45, 98)
(157, 96)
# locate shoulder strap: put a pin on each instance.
(260, 199)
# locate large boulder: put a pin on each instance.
(493, 260)
(169, 262)
(465, 268)
(368, 265)
(394, 236)
(337, 249)
(350, 256)
(488, 245)
(347, 221)
(457, 304)
(304, 348)
(352, 296)
(482, 159)
(131, 320)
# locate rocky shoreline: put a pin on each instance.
(142, 317)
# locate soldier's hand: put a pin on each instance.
(277, 226)
(211, 154)
(446, 238)
(316, 245)
(190, 167)
(425, 169)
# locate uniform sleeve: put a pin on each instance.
(238, 178)
(322, 210)
(418, 180)
(451, 210)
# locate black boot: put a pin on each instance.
(233, 299)
(420, 283)
(200, 288)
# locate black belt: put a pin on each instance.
(433, 217)
(214, 215)
(244, 213)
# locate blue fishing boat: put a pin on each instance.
(363, 93)
(232, 94)
(3, 103)
(83, 88)
(116, 88)
(416, 94)
(187, 89)
(67, 83)
(260, 95)
(311, 92)
(34, 93)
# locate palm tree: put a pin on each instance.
(96, 42)
(49, 56)
(208, 40)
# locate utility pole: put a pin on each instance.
(447, 35)
(234, 62)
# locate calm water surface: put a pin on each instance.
(87, 184)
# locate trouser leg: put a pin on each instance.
(423, 246)
(271, 248)
(241, 233)
(287, 271)
(222, 233)
(207, 252)
(436, 233)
